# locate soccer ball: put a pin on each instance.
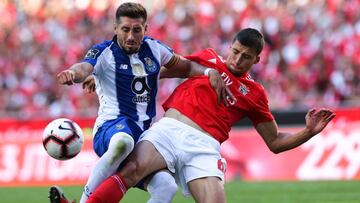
(63, 139)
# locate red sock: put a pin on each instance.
(111, 190)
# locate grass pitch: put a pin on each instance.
(237, 192)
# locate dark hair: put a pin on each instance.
(251, 38)
(131, 10)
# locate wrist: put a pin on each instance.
(72, 72)
(308, 132)
(73, 76)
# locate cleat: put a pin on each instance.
(56, 195)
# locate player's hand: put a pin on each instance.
(89, 84)
(317, 119)
(223, 92)
(66, 77)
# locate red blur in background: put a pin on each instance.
(333, 154)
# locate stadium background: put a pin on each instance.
(311, 59)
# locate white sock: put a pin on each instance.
(162, 188)
(120, 146)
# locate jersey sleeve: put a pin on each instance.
(261, 111)
(207, 57)
(93, 54)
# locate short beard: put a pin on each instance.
(127, 51)
(130, 51)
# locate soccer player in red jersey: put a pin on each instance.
(127, 69)
(187, 139)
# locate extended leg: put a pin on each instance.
(144, 160)
(120, 146)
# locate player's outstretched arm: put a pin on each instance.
(180, 67)
(75, 74)
(316, 121)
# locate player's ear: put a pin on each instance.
(146, 26)
(115, 28)
(257, 59)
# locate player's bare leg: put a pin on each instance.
(144, 160)
(207, 190)
(120, 146)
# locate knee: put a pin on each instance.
(121, 144)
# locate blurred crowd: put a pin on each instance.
(311, 57)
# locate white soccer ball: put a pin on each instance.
(63, 139)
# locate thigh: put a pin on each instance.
(144, 160)
(200, 166)
(207, 190)
(164, 139)
(145, 154)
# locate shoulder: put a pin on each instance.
(97, 52)
(102, 45)
(154, 43)
(205, 53)
(207, 56)
(97, 49)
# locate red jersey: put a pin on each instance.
(196, 99)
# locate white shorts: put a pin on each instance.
(188, 152)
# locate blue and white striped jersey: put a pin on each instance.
(127, 84)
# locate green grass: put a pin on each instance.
(237, 192)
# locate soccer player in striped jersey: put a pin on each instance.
(127, 71)
(187, 139)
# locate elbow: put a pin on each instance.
(275, 149)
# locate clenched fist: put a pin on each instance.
(66, 77)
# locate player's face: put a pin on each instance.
(130, 33)
(241, 59)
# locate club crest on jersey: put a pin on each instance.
(149, 65)
(243, 89)
(91, 54)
